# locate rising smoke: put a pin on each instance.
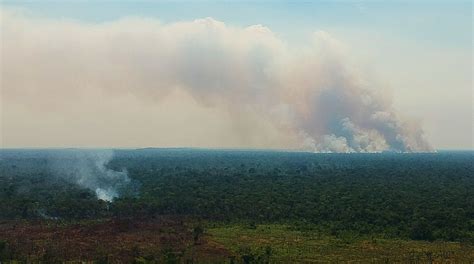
(88, 169)
(311, 95)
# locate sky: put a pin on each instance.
(251, 74)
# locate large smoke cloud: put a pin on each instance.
(311, 95)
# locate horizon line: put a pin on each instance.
(227, 149)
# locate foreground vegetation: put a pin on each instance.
(284, 244)
(246, 206)
(180, 240)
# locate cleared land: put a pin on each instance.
(172, 240)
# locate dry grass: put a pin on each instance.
(290, 246)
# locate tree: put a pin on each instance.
(197, 232)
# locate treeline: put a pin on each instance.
(418, 196)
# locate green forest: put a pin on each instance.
(218, 195)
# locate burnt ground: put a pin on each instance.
(164, 239)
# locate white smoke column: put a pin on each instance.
(88, 169)
(312, 96)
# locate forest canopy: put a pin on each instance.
(418, 196)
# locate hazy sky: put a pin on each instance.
(143, 73)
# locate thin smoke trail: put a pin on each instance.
(88, 169)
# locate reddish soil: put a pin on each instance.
(164, 239)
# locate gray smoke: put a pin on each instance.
(310, 95)
(88, 169)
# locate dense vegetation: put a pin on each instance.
(410, 196)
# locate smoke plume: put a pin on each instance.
(311, 96)
(88, 169)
